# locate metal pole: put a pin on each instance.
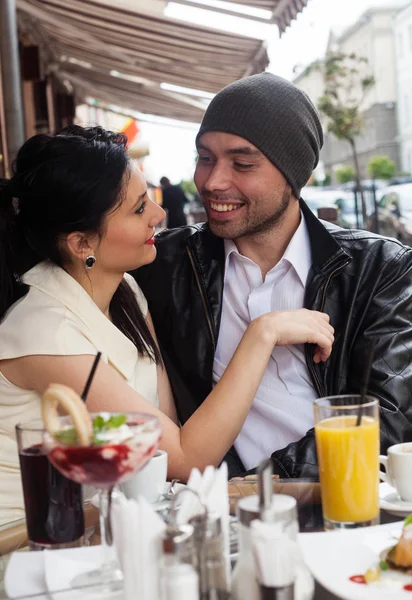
(375, 206)
(51, 107)
(10, 71)
(355, 193)
(5, 167)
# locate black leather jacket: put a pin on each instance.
(361, 280)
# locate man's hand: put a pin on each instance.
(302, 326)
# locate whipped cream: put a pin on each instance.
(115, 435)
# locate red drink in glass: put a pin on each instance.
(53, 503)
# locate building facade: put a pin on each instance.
(403, 35)
(371, 37)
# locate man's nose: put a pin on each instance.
(219, 179)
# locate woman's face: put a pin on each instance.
(128, 239)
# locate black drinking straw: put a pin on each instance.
(366, 381)
(91, 375)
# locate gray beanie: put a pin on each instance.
(276, 117)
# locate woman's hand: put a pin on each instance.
(289, 327)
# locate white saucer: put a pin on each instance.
(160, 505)
(390, 502)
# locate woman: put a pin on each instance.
(74, 218)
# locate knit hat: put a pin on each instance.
(276, 117)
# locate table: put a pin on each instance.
(13, 536)
(307, 494)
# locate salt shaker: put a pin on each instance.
(178, 544)
(213, 581)
(282, 516)
(181, 582)
(178, 575)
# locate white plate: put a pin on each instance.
(160, 505)
(335, 556)
(390, 502)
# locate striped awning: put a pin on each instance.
(282, 12)
(93, 44)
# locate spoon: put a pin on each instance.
(169, 494)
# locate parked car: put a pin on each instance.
(367, 184)
(395, 212)
(318, 197)
(400, 180)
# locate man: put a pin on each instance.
(174, 201)
(261, 250)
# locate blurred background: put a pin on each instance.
(150, 68)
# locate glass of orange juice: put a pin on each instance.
(347, 443)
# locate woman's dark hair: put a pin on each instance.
(61, 183)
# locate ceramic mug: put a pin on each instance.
(150, 481)
(398, 466)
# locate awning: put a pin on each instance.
(282, 12)
(89, 43)
(130, 95)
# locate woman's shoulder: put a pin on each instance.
(35, 309)
(40, 324)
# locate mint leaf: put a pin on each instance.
(408, 520)
(67, 437)
(383, 565)
(115, 421)
(99, 423)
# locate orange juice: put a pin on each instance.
(348, 459)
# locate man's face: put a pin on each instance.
(243, 193)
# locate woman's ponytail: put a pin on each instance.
(9, 248)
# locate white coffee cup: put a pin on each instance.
(150, 481)
(398, 465)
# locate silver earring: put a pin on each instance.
(90, 262)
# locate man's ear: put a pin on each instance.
(78, 245)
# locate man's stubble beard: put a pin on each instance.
(255, 227)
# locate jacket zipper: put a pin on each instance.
(202, 295)
(328, 282)
(311, 367)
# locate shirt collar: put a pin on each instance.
(57, 283)
(298, 252)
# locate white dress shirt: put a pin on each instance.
(282, 410)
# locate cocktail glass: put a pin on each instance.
(104, 466)
(347, 442)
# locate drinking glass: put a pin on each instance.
(104, 466)
(347, 442)
(53, 503)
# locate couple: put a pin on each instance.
(226, 353)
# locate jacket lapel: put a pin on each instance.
(209, 254)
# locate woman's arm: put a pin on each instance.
(209, 433)
(164, 390)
